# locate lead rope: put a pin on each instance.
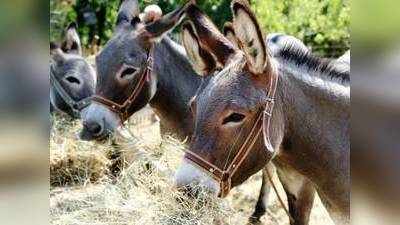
(279, 197)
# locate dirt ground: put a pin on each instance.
(93, 183)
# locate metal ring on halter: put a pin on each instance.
(270, 99)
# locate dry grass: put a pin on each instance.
(74, 162)
(143, 193)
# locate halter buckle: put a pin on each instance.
(270, 99)
(150, 63)
(267, 113)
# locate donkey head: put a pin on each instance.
(71, 71)
(122, 64)
(226, 108)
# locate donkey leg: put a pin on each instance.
(261, 205)
(300, 194)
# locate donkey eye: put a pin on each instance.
(233, 118)
(73, 80)
(128, 72)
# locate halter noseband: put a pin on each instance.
(224, 176)
(76, 106)
(122, 109)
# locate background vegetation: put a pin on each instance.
(322, 24)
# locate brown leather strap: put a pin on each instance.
(122, 109)
(224, 176)
(261, 125)
(210, 168)
(110, 104)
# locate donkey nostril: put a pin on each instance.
(94, 128)
(73, 80)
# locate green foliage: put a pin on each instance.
(95, 19)
(59, 11)
(322, 24)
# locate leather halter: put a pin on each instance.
(76, 106)
(122, 109)
(224, 176)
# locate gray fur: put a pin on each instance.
(172, 84)
(72, 71)
(317, 115)
(277, 41)
(311, 113)
(173, 81)
(309, 127)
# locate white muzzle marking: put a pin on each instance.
(189, 173)
(100, 113)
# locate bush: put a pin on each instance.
(322, 24)
(95, 19)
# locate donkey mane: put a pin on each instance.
(316, 65)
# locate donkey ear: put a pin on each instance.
(72, 42)
(210, 37)
(56, 53)
(128, 10)
(250, 36)
(158, 28)
(229, 33)
(203, 62)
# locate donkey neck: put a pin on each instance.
(177, 83)
(314, 108)
(315, 138)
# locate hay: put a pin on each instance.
(143, 192)
(74, 162)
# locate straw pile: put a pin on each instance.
(84, 189)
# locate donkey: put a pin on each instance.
(170, 80)
(72, 77)
(169, 89)
(306, 134)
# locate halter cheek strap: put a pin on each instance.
(75, 106)
(261, 125)
(267, 114)
(224, 177)
(122, 109)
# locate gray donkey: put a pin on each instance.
(308, 133)
(168, 89)
(72, 77)
(139, 49)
